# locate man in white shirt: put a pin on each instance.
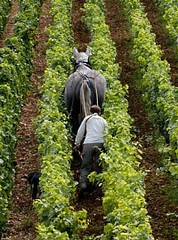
(93, 128)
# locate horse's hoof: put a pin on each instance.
(83, 188)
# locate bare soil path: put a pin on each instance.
(21, 224)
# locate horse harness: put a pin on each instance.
(85, 78)
(87, 64)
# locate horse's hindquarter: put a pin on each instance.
(99, 82)
(72, 82)
(96, 82)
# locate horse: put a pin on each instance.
(84, 87)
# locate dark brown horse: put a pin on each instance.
(84, 87)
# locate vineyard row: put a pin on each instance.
(4, 10)
(169, 10)
(15, 71)
(154, 82)
(122, 181)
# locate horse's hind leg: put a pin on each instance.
(74, 124)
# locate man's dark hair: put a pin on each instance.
(95, 109)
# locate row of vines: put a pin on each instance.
(4, 9)
(169, 10)
(16, 68)
(154, 82)
(123, 201)
(58, 220)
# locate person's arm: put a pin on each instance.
(80, 133)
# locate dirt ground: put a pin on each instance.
(21, 224)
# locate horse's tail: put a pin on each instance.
(85, 98)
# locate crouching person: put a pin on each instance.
(93, 128)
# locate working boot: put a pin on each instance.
(82, 190)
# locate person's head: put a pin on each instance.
(95, 109)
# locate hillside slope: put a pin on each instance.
(162, 210)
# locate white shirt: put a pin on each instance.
(95, 126)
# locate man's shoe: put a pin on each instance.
(82, 190)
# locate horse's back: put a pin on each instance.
(95, 81)
(91, 75)
(99, 82)
(71, 84)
